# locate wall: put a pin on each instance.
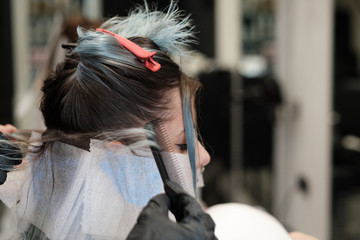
(303, 133)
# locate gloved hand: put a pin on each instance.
(192, 222)
(9, 157)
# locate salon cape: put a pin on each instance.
(70, 193)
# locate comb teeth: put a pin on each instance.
(173, 167)
(163, 138)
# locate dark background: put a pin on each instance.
(6, 82)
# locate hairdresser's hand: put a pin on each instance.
(192, 222)
(7, 128)
(9, 157)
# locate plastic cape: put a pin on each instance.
(70, 193)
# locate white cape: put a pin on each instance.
(70, 193)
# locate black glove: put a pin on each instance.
(154, 223)
(10, 156)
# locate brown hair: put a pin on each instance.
(99, 90)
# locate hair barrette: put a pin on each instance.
(144, 56)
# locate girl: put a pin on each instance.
(89, 174)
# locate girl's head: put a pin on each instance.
(103, 87)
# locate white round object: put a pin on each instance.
(241, 221)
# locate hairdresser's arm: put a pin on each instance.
(301, 236)
(192, 222)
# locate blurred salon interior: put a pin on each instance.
(278, 112)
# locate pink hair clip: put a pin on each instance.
(144, 56)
